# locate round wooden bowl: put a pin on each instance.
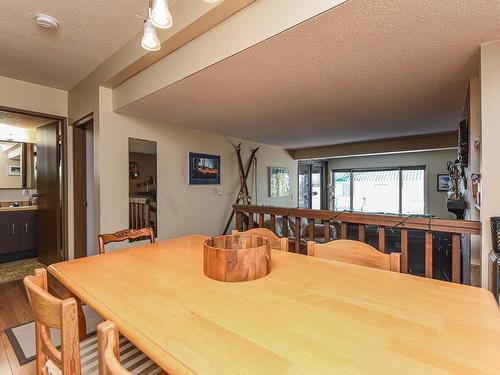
(237, 258)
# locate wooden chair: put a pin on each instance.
(277, 243)
(123, 235)
(108, 341)
(53, 313)
(355, 252)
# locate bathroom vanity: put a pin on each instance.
(17, 233)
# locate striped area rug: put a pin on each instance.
(22, 339)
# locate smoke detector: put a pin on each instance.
(46, 21)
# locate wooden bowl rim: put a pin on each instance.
(267, 242)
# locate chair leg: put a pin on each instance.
(41, 357)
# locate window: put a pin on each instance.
(393, 190)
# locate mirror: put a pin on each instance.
(17, 165)
(142, 184)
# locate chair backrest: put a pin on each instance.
(125, 234)
(109, 350)
(355, 252)
(277, 243)
(51, 312)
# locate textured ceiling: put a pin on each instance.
(22, 121)
(89, 32)
(369, 69)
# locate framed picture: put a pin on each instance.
(279, 182)
(14, 170)
(204, 169)
(443, 182)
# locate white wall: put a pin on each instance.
(490, 136)
(182, 209)
(434, 161)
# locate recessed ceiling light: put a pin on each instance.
(46, 21)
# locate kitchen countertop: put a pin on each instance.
(20, 208)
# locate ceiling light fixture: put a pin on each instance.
(46, 21)
(160, 14)
(150, 39)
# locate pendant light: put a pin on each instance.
(150, 39)
(160, 14)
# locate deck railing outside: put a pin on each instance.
(248, 217)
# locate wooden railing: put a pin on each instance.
(248, 217)
(139, 213)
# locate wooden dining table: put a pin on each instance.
(308, 316)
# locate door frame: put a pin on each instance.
(324, 181)
(80, 182)
(63, 121)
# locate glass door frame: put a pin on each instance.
(323, 164)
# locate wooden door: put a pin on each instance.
(49, 223)
(80, 190)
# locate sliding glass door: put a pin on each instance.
(392, 190)
(312, 185)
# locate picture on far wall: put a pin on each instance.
(279, 182)
(204, 169)
(443, 182)
(14, 170)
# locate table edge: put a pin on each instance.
(169, 363)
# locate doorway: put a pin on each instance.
(312, 185)
(83, 187)
(142, 184)
(32, 192)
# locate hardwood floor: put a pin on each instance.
(14, 309)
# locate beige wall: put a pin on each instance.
(182, 209)
(13, 195)
(30, 97)
(434, 161)
(490, 135)
(6, 181)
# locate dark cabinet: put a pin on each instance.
(28, 229)
(8, 232)
(17, 234)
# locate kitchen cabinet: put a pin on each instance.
(17, 235)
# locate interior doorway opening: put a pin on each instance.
(33, 214)
(85, 238)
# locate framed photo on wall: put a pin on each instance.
(443, 182)
(279, 182)
(204, 169)
(14, 170)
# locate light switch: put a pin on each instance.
(220, 192)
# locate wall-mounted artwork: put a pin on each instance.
(443, 182)
(204, 169)
(14, 170)
(279, 182)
